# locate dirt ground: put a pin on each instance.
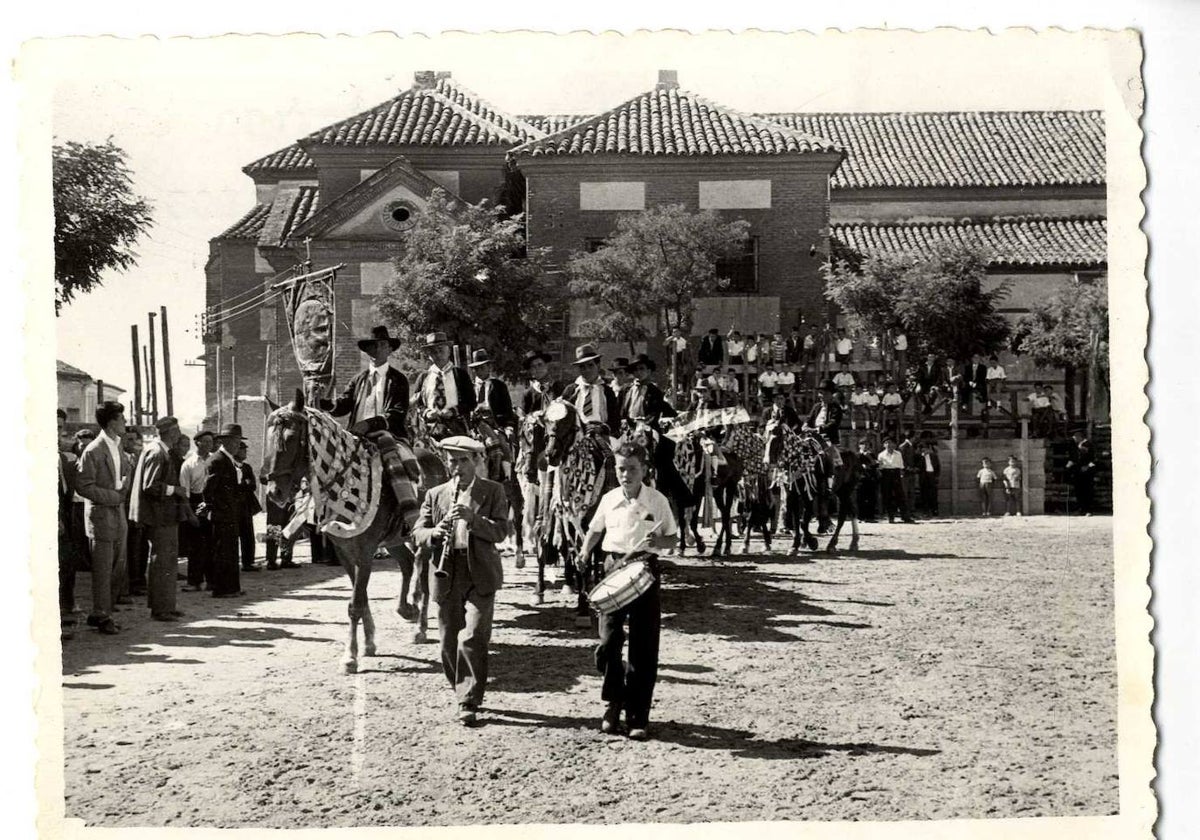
(950, 669)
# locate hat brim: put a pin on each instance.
(593, 358)
(479, 364)
(394, 343)
(445, 343)
(648, 364)
(525, 364)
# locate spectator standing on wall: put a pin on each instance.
(778, 350)
(735, 347)
(844, 348)
(794, 348)
(892, 402)
(869, 401)
(900, 349)
(996, 378)
(712, 350)
(768, 380)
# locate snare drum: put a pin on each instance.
(621, 587)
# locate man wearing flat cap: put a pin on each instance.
(491, 391)
(376, 404)
(223, 501)
(642, 399)
(595, 401)
(158, 503)
(444, 392)
(462, 520)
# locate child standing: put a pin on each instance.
(987, 477)
(1012, 488)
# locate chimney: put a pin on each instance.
(424, 79)
(667, 80)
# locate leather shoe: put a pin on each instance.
(163, 617)
(610, 724)
(467, 716)
(638, 733)
(288, 564)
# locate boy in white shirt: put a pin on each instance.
(986, 477)
(869, 402)
(995, 380)
(892, 400)
(1012, 488)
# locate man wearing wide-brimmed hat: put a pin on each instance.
(157, 503)
(444, 393)
(223, 502)
(462, 520)
(491, 391)
(376, 401)
(595, 401)
(643, 399)
(542, 390)
(826, 418)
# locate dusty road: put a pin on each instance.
(952, 669)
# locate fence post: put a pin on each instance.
(1025, 466)
(954, 459)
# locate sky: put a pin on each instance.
(191, 113)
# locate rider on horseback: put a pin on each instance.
(642, 399)
(825, 419)
(594, 400)
(444, 391)
(376, 401)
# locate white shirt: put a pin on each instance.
(996, 372)
(752, 352)
(373, 402)
(928, 462)
(891, 460)
(857, 398)
(844, 346)
(892, 399)
(736, 346)
(768, 379)
(677, 343)
(870, 398)
(785, 379)
(114, 449)
(809, 341)
(448, 383)
(844, 379)
(194, 473)
(901, 342)
(590, 402)
(625, 522)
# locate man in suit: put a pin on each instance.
(974, 384)
(1082, 471)
(375, 404)
(444, 392)
(137, 544)
(103, 482)
(793, 348)
(712, 349)
(223, 499)
(929, 381)
(908, 452)
(250, 507)
(826, 418)
(541, 390)
(929, 468)
(462, 520)
(155, 504)
(196, 536)
(595, 401)
(642, 398)
(491, 390)
(67, 563)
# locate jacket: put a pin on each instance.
(533, 400)
(793, 349)
(712, 350)
(909, 453)
(833, 419)
(927, 379)
(394, 417)
(975, 378)
(149, 503)
(493, 393)
(611, 407)
(250, 503)
(462, 383)
(222, 493)
(104, 504)
(489, 527)
(654, 403)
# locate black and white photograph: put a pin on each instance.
(522, 429)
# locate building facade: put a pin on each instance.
(1028, 186)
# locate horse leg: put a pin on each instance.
(854, 530)
(677, 508)
(696, 528)
(792, 499)
(357, 569)
(725, 504)
(837, 530)
(420, 594)
(403, 556)
(806, 516)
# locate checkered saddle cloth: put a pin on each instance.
(345, 477)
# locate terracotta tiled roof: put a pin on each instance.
(444, 114)
(962, 149)
(302, 209)
(67, 371)
(249, 226)
(291, 159)
(551, 123)
(669, 121)
(1018, 241)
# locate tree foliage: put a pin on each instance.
(1068, 330)
(938, 300)
(651, 269)
(97, 216)
(464, 269)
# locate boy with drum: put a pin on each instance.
(630, 521)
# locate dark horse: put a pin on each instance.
(580, 471)
(816, 481)
(663, 473)
(294, 434)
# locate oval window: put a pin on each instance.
(399, 215)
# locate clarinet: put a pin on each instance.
(441, 560)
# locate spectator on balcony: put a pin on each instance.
(844, 347)
(996, 378)
(785, 382)
(728, 383)
(1056, 414)
(844, 379)
(900, 349)
(793, 350)
(974, 385)
(751, 350)
(892, 402)
(778, 350)
(735, 347)
(768, 380)
(929, 381)
(765, 351)
(712, 350)
(869, 401)
(677, 349)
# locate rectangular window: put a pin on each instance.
(266, 324)
(612, 195)
(373, 275)
(735, 195)
(741, 270)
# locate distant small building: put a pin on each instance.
(77, 393)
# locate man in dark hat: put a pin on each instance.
(196, 538)
(223, 500)
(462, 520)
(376, 403)
(595, 401)
(826, 418)
(644, 399)
(491, 391)
(156, 503)
(542, 390)
(621, 377)
(444, 391)
(250, 507)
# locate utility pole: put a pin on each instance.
(220, 416)
(153, 371)
(266, 389)
(233, 387)
(136, 412)
(146, 371)
(167, 365)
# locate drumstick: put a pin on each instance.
(642, 542)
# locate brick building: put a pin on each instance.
(1028, 185)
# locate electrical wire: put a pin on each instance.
(243, 309)
(259, 289)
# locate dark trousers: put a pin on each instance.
(868, 494)
(137, 554)
(66, 572)
(79, 538)
(163, 568)
(630, 684)
(1085, 491)
(196, 543)
(929, 493)
(891, 482)
(278, 545)
(316, 543)
(224, 577)
(465, 627)
(246, 540)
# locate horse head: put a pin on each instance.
(285, 458)
(561, 420)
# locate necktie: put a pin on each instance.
(439, 394)
(481, 391)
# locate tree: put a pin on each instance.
(464, 269)
(97, 216)
(651, 269)
(937, 300)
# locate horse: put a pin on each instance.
(812, 479)
(304, 442)
(499, 466)
(713, 474)
(663, 475)
(581, 469)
